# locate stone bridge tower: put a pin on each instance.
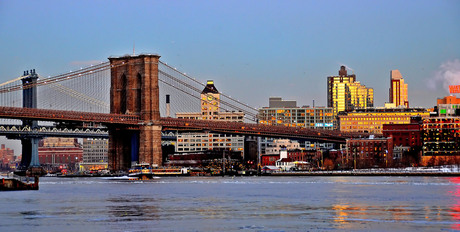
(134, 90)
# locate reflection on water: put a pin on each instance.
(455, 208)
(346, 214)
(239, 204)
(132, 208)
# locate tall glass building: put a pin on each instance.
(344, 93)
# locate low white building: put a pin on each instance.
(279, 144)
(284, 163)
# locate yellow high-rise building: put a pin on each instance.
(345, 93)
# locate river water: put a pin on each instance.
(236, 204)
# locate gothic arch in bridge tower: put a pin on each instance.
(122, 88)
(134, 90)
(138, 94)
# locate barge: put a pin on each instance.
(145, 171)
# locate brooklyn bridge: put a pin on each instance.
(129, 96)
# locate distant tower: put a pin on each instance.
(344, 93)
(398, 89)
(210, 101)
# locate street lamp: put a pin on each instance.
(386, 158)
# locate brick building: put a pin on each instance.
(369, 152)
(441, 140)
(54, 152)
(6, 157)
(406, 135)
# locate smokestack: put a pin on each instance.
(168, 107)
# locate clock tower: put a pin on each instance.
(210, 102)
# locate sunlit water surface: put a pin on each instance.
(236, 204)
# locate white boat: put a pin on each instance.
(120, 178)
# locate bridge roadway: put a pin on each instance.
(52, 131)
(15, 131)
(134, 121)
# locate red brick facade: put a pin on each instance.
(60, 155)
(366, 153)
(408, 135)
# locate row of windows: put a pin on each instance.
(361, 123)
(207, 135)
(375, 119)
(210, 144)
(360, 127)
(373, 114)
(207, 140)
(199, 149)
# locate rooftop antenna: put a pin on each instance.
(134, 46)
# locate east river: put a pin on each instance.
(236, 204)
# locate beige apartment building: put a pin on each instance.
(210, 110)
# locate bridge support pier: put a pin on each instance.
(34, 161)
(134, 90)
(120, 144)
(29, 100)
(150, 149)
(26, 145)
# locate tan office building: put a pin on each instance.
(372, 120)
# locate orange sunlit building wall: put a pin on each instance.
(398, 89)
(372, 120)
(449, 100)
(449, 106)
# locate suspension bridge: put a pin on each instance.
(128, 96)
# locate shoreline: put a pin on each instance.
(281, 174)
(441, 174)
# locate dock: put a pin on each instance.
(13, 182)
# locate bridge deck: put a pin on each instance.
(184, 124)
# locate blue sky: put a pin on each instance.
(251, 49)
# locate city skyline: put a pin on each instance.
(252, 50)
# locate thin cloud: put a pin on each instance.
(447, 74)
